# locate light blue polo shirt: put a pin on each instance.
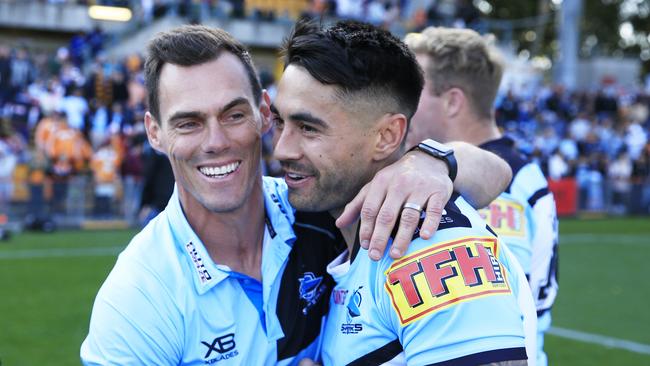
(167, 303)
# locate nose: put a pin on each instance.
(216, 137)
(287, 144)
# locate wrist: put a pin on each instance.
(440, 152)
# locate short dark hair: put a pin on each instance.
(191, 45)
(359, 59)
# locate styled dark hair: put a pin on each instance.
(191, 45)
(360, 59)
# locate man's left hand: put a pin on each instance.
(415, 179)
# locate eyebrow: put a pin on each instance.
(200, 115)
(303, 116)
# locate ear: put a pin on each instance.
(455, 101)
(391, 130)
(265, 111)
(153, 132)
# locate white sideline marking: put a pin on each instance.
(633, 239)
(61, 252)
(600, 340)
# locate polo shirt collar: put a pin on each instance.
(205, 272)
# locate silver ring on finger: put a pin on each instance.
(413, 206)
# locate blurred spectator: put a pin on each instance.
(640, 180)
(132, 177)
(635, 140)
(22, 72)
(95, 41)
(558, 168)
(508, 109)
(5, 75)
(105, 165)
(38, 168)
(8, 160)
(75, 108)
(158, 184)
(619, 173)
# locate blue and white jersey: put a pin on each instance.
(524, 217)
(451, 300)
(167, 303)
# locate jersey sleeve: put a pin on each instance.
(451, 301)
(543, 271)
(128, 326)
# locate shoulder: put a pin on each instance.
(136, 312)
(530, 183)
(148, 269)
(504, 147)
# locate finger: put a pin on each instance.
(351, 211)
(434, 209)
(384, 224)
(408, 223)
(369, 215)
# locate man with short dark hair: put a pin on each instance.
(228, 273)
(458, 298)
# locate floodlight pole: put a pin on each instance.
(568, 30)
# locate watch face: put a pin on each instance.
(436, 147)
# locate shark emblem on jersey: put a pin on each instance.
(354, 303)
(310, 289)
(353, 311)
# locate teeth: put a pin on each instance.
(295, 176)
(219, 170)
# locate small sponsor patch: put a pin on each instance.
(201, 271)
(443, 275)
(506, 217)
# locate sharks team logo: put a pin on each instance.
(310, 290)
(353, 311)
(354, 304)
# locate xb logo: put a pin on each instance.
(221, 344)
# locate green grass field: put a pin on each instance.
(48, 282)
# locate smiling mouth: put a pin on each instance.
(296, 177)
(219, 171)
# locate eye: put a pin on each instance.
(187, 125)
(307, 128)
(235, 117)
(277, 121)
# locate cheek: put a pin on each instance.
(179, 149)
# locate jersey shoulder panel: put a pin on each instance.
(530, 184)
(504, 148)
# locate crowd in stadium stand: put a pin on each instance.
(600, 138)
(74, 115)
(397, 15)
(64, 122)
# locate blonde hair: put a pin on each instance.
(461, 58)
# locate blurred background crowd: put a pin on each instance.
(73, 147)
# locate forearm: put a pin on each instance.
(482, 175)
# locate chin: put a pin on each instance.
(307, 204)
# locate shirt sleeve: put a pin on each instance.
(442, 312)
(132, 324)
(543, 281)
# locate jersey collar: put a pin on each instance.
(205, 272)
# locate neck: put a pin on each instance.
(233, 238)
(350, 232)
(474, 131)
